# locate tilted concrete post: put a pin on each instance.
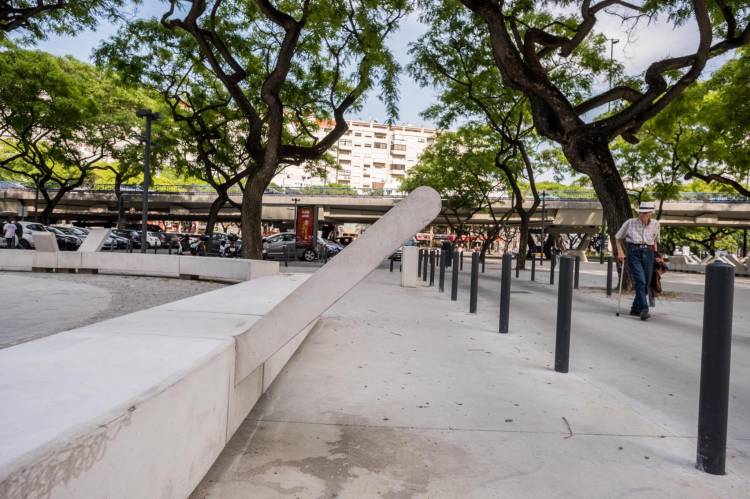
(94, 240)
(326, 286)
(409, 266)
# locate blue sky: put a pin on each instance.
(647, 44)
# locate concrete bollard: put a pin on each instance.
(441, 279)
(505, 293)
(564, 305)
(533, 266)
(713, 404)
(552, 265)
(419, 263)
(577, 271)
(609, 276)
(474, 289)
(432, 267)
(425, 257)
(454, 277)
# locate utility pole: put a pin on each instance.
(150, 116)
(544, 217)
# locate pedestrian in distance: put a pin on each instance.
(19, 233)
(9, 233)
(641, 236)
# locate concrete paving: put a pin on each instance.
(39, 304)
(402, 393)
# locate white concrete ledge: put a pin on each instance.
(136, 406)
(209, 268)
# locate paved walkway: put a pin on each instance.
(402, 393)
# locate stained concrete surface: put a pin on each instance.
(402, 393)
(39, 304)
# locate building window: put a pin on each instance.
(345, 142)
(398, 147)
(378, 165)
(380, 145)
(397, 166)
(357, 134)
(421, 139)
(368, 145)
(345, 162)
(379, 135)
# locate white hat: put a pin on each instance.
(646, 207)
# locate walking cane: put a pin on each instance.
(619, 294)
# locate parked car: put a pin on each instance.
(332, 247)
(64, 241)
(399, 252)
(130, 236)
(273, 248)
(29, 228)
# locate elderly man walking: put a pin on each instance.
(641, 236)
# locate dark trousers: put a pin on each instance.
(641, 266)
(9, 242)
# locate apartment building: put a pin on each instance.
(370, 155)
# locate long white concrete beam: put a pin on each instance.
(324, 288)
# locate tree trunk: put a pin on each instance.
(523, 239)
(49, 204)
(252, 209)
(213, 211)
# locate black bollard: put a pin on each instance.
(533, 266)
(461, 262)
(474, 289)
(484, 257)
(391, 259)
(454, 277)
(441, 279)
(505, 293)
(577, 271)
(609, 276)
(518, 266)
(713, 403)
(564, 304)
(420, 254)
(286, 255)
(552, 265)
(424, 266)
(432, 267)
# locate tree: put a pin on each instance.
(527, 38)
(461, 167)
(36, 18)
(287, 68)
(59, 120)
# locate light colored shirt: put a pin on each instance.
(633, 231)
(9, 230)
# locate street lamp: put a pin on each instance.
(612, 42)
(544, 217)
(295, 201)
(150, 116)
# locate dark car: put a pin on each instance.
(273, 248)
(130, 236)
(64, 241)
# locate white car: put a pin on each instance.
(29, 228)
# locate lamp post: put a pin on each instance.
(150, 116)
(612, 42)
(544, 217)
(295, 201)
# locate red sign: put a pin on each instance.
(305, 225)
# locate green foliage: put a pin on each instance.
(35, 19)
(330, 189)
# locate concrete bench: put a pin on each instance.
(141, 405)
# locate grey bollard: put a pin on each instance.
(441, 280)
(533, 266)
(461, 262)
(552, 265)
(713, 403)
(420, 254)
(425, 257)
(609, 276)
(577, 271)
(474, 289)
(432, 267)
(454, 277)
(564, 305)
(505, 293)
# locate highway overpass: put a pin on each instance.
(565, 211)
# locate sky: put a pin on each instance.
(646, 44)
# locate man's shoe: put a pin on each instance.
(645, 315)
(635, 313)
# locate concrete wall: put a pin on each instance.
(136, 406)
(146, 264)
